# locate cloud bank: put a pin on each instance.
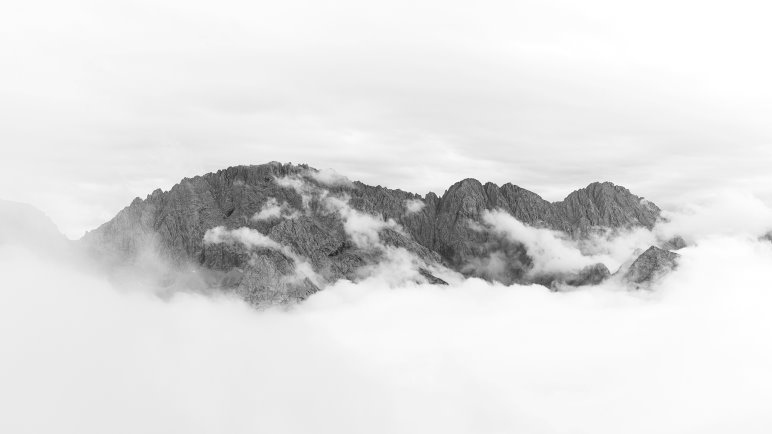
(81, 355)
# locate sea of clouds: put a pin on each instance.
(82, 353)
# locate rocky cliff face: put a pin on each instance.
(650, 266)
(299, 229)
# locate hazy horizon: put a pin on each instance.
(104, 103)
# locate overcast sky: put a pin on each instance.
(101, 102)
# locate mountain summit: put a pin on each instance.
(279, 232)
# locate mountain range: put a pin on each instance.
(276, 233)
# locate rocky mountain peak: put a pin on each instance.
(606, 205)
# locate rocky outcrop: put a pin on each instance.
(675, 243)
(290, 204)
(271, 278)
(430, 278)
(587, 276)
(650, 266)
(590, 275)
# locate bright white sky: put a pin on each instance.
(101, 102)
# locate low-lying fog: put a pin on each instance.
(82, 354)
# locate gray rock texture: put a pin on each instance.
(650, 266)
(269, 278)
(171, 225)
(590, 275)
